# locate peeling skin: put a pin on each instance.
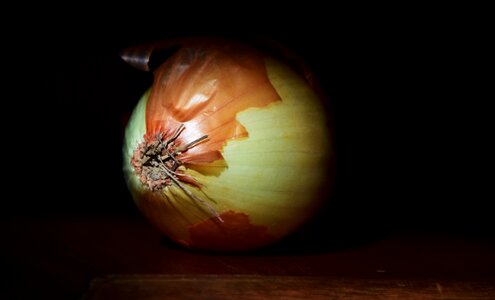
(204, 86)
(236, 233)
(200, 89)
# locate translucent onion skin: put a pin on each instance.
(263, 169)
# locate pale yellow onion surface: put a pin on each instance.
(275, 176)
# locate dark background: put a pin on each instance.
(403, 91)
(407, 96)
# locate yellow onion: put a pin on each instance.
(229, 149)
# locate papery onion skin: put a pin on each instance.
(268, 157)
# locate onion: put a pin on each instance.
(229, 149)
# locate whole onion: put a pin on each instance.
(229, 149)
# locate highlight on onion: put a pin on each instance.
(229, 149)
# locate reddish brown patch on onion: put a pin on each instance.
(236, 233)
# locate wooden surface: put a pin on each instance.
(246, 287)
(58, 257)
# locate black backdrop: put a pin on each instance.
(402, 92)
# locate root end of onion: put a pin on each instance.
(156, 161)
